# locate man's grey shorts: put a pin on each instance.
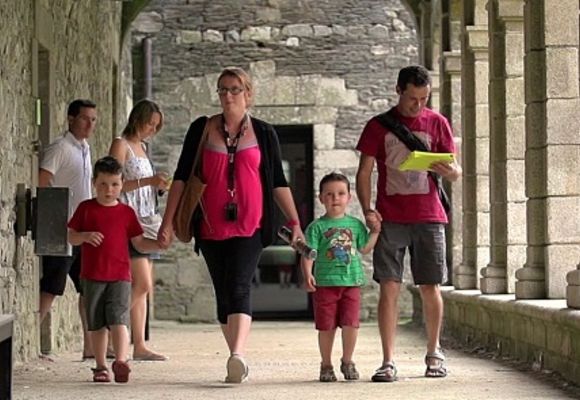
(106, 303)
(426, 243)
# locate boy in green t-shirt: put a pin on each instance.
(338, 273)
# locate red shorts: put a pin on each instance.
(336, 306)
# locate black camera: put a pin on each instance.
(231, 212)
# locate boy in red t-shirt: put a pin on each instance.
(104, 226)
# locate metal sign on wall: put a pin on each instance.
(50, 230)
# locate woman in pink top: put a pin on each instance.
(242, 167)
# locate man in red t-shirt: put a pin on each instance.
(411, 212)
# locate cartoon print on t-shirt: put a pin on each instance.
(403, 182)
(340, 244)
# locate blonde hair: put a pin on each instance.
(243, 77)
(140, 115)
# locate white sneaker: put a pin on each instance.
(237, 369)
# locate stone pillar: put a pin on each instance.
(552, 150)
(507, 146)
(450, 106)
(435, 50)
(425, 35)
(475, 160)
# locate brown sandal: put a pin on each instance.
(121, 370)
(101, 375)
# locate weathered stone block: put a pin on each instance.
(573, 299)
(165, 274)
(339, 30)
(399, 25)
(324, 135)
(263, 69)
(573, 277)
(515, 180)
(148, 22)
(536, 174)
(299, 30)
(307, 89)
(322, 30)
(257, 33)
(562, 121)
(232, 36)
(563, 226)
(292, 42)
(188, 37)
(212, 35)
(201, 307)
(268, 14)
(530, 289)
(285, 90)
(326, 159)
(535, 76)
(560, 260)
(482, 157)
(562, 72)
(562, 164)
(561, 24)
(379, 31)
(493, 286)
(313, 115)
(265, 90)
(515, 97)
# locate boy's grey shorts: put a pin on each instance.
(426, 243)
(106, 303)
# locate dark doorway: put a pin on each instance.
(278, 283)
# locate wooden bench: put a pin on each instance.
(6, 328)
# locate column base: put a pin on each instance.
(530, 290)
(463, 282)
(493, 285)
(573, 288)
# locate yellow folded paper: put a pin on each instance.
(421, 160)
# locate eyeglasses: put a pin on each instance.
(222, 91)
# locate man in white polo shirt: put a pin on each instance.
(66, 162)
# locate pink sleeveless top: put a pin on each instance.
(248, 186)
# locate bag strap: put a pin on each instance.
(413, 143)
(198, 153)
(400, 130)
(196, 163)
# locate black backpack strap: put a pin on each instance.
(413, 143)
(389, 121)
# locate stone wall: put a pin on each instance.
(541, 333)
(83, 41)
(330, 64)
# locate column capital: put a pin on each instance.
(452, 62)
(477, 38)
(511, 10)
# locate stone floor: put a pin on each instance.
(284, 362)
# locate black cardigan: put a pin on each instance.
(270, 171)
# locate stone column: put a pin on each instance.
(552, 150)
(475, 160)
(450, 106)
(507, 146)
(425, 35)
(435, 52)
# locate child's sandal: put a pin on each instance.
(101, 375)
